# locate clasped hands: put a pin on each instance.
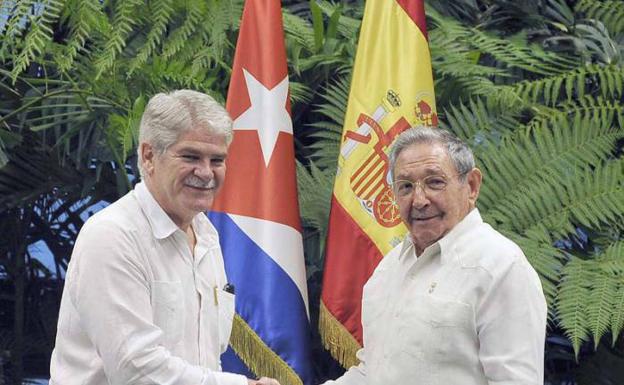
(263, 381)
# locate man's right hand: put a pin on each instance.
(263, 381)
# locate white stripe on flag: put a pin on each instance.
(283, 244)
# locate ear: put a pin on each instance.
(474, 183)
(147, 158)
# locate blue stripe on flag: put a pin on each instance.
(231, 363)
(266, 298)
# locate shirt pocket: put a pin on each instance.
(226, 317)
(429, 338)
(435, 327)
(168, 306)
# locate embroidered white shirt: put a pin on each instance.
(470, 310)
(138, 307)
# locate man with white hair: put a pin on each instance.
(456, 303)
(146, 299)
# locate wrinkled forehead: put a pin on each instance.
(201, 140)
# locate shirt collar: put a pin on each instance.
(161, 224)
(205, 232)
(444, 245)
(470, 221)
(407, 248)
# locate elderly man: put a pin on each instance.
(144, 299)
(456, 303)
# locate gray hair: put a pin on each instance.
(166, 116)
(459, 152)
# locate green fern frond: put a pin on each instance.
(474, 122)
(325, 150)
(348, 26)
(83, 18)
(298, 29)
(592, 198)
(124, 19)
(300, 92)
(575, 140)
(458, 65)
(195, 11)
(329, 131)
(176, 73)
(542, 153)
(15, 24)
(123, 130)
(517, 53)
(161, 12)
(514, 52)
(451, 57)
(191, 47)
(220, 17)
(600, 305)
(315, 190)
(455, 58)
(203, 59)
(612, 260)
(610, 13)
(597, 108)
(617, 320)
(573, 300)
(336, 97)
(451, 51)
(39, 34)
(571, 85)
(444, 30)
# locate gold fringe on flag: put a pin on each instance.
(258, 357)
(337, 339)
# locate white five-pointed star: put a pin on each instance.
(267, 113)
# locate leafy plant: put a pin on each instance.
(534, 86)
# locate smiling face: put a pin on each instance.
(429, 214)
(186, 177)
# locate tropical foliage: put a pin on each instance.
(534, 85)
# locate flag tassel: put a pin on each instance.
(258, 357)
(337, 339)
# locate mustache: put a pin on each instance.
(414, 214)
(198, 182)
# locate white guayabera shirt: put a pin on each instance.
(470, 310)
(138, 307)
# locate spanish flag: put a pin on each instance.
(391, 90)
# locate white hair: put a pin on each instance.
(459, 152)
(166, 116)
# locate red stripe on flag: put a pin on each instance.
(415, 9)
(354, 257)
(251, 189)
(364, 177)
(375, 190)
(266, 62)
(375, 178)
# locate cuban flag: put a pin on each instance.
(256, 212)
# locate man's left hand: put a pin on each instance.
(264, 381)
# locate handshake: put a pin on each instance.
(263, 381)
